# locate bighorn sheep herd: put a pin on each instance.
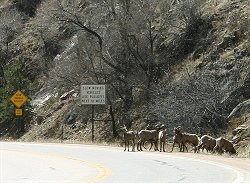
(158, 136)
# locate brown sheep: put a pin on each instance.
(224, 145)
(148, 136)
(162, 136)
(206, 142)
(177, 139)
(128, 136)
(192, 139)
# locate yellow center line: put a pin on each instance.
(103, 172)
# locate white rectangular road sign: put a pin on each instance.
(93, 94)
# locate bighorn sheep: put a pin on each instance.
(162, 136)
(128, 136)
(177, 139)
(224, 145)
(206, 142)
(184, 138)
(149, 136)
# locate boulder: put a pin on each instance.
(39, 119)
(241, 133)
(71, 115)
(67, 95)
(240, 109)
(240, 129)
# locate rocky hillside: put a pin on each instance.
(175, 62)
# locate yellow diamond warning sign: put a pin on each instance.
(18, 99)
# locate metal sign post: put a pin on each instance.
(92, 124)
(93, 95)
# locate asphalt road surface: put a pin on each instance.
(65, 163)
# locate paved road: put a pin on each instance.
(57, 163)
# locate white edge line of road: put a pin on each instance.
(240, 176)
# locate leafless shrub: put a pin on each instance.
(193, 103)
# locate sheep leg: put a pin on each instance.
(133, 145)
(141, 145)
(215, 148)
(163, 146)
(195, 148)
(125, 145)
(138, 145)
(218, 149)
(139, 148)
(156, 145)
(201, 146)
(128, 145)
(144, 145)
(173, 147)
(184, 145)
(151, 145)
(180, 147)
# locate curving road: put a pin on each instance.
(65, 163)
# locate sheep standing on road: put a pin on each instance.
(224, 145)
(177, 139)
(185, 137)
(162, 136)
(148, 136)
(128, 136)
(206, 142)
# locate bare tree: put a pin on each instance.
(141, 31)
(9, 25)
